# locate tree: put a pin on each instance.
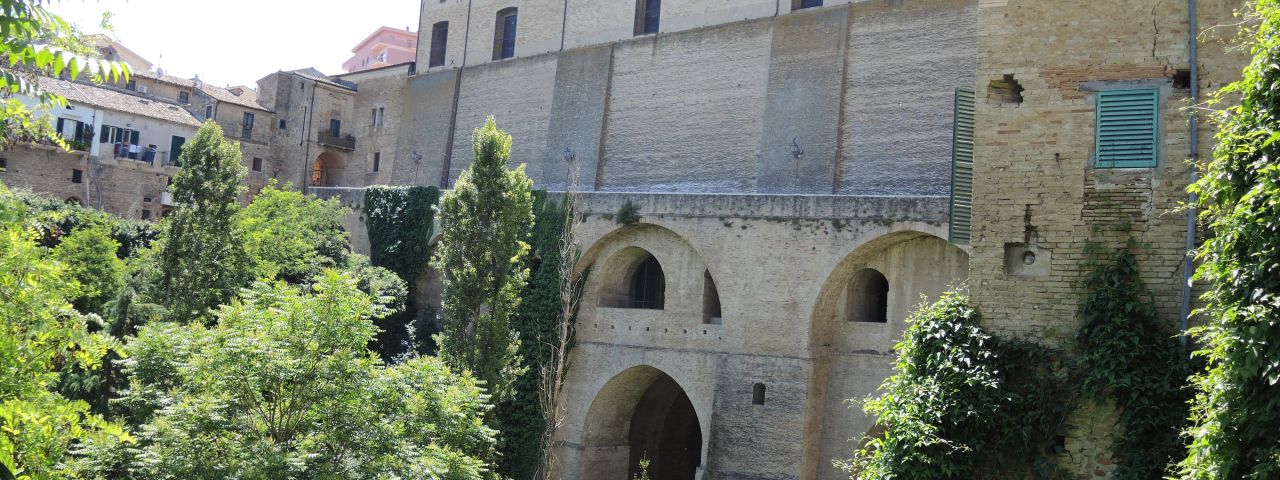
(202, 257)
(1236, 411)
(38, 43)
(484, 223)
(292, 236)
(39, 330)
(89, 257)
(283, 386)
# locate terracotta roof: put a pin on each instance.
(248, 97)
(111, 99)
(313, 74)
(170, 79)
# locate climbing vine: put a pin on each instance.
(1128, 356)
(536, 321)
(964, 403)
(400, 222)
(1236, 411)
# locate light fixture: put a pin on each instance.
(796, 151)
(569, 155)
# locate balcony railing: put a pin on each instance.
(148, 156)
(341, 142)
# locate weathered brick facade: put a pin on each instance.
(1036, 186)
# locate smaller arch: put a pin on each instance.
(757, 394)
(635, 279)
(710, 300)
(869, 297)
(75, 200)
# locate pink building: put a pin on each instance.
(386, 46)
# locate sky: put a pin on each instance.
(236, 42)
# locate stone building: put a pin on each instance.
(808, 172)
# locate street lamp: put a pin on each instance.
(796, 153)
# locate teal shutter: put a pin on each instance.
(1128, 128)
(962, 166)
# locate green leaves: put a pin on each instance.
(1128, 357)
(963, 403)
(283, 386)
(1236, 410)
(484, 223)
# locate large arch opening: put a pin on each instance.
(642, 414)
(326, 171)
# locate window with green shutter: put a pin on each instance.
(962, 167)
(1128, 128)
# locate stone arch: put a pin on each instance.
(913, 264)
(326, 170)
(852, 358)
(641, 413)
(74, 200)
(633, 278)
(711, 313)
(615, 256)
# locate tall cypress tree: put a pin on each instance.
(202, 258)
(484, 222)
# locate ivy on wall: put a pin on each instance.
(1236, 412)
(1129, 357)
(536, 320)
(400, 222)
(964, 403)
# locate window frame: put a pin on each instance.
(797, 5)
(642, 25)
(439, 31)
(500, 33)
(1156, 124)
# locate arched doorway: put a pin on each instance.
(326, 170)
(642, 413)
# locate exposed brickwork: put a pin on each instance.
(1036, 183)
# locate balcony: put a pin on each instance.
(341, 142)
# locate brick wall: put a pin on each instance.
(1036, 188)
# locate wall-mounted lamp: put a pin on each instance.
(569, 155)
(796, 151)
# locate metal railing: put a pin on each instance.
(342, 141)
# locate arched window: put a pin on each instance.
(648, 285)
(504, 34)
(710, 300)
(869, 297)
(648, 13)
(757, 394)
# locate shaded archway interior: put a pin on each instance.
(642, 413)
(326, 170)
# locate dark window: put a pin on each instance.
(257, 164)
(374, 119)
(282, 124)
(184, 98)
(132, 85)
(710, 299)
(377, 160)
(4, 163)
(248, 126)
(382, 116)
(869, 297)
(175, 150)
(757, 394)
(504, 35)
(335, 127)
(146, 214)
(106, 134)
(648, 12)
(77, 176)
(802, 4)
(208, 112)
(648, 285)
(439, 43)
(58, 127)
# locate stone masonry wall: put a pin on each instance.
(1035, 185)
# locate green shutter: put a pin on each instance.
(962, 167)
(1128, 128)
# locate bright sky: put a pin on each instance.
(236, 42)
